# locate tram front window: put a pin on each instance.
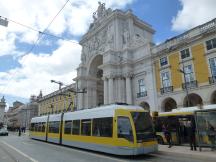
(143, 126)
(124, 128)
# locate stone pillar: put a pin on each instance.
(111, 95)
(106, 95)
(94, 98)
(123, 91)
(119, 90)
(128, 90)
(80, 101)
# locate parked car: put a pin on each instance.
(3, 132)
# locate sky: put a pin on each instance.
(29, 59)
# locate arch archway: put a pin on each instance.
(193, 99)
(168, 104)
(145, 106)
(95, 90)
(213, 98)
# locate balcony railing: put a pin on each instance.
(141, 94)
(166, 89)
(212, 80)
(191, 84)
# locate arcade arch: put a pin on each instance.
(193, 99)
(95, 83)
(213, 98)
(168, 104)
(145, 106)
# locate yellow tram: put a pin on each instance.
(115, 129)
(177, 121)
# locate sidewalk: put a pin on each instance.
(185, 150)
(16, 133)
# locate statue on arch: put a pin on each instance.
(101, 9)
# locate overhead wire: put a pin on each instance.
(40, 33)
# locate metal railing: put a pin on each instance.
(166, 89)
(141, 94)
(191, 84)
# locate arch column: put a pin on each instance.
(128, 90)
(106, 93)
(111, 95)
(80, 101)
(119, 89)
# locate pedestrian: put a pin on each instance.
(191, 130)
(211, 136)
(19, 129)
(167, 135)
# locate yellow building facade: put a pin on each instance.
(62, 100)
(185, 68)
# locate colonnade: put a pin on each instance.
(118, 89)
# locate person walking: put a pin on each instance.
(19, 129)
(211, 136)
(167, 135)
(191, 129)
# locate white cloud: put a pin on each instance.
(36, 71)
(193, 13)
(7, 43)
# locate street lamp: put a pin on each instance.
(3, 22)
(57, 82)
(186, 89)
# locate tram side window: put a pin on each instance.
(158, 124)
(43, 127)
(32, 126)
(54, 127)
(76, 127)
(39, 127)
(103, 127)
(124, 128)
(67, 127)
(173, 123)
(86, 127)
(36, 127)
(50, 127)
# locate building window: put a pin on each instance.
(141, 86)
(102, 127)
(212, 63)
(210, 44)
(165, 77)
(142, 89)
(185, 53)
(189, 76)
(163, 61)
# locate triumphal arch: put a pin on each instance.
(115, 57)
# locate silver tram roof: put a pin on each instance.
(98, 112)
(191, 109)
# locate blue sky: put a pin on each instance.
(24, 72)
(159, 14)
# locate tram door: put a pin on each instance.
(184, 129)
